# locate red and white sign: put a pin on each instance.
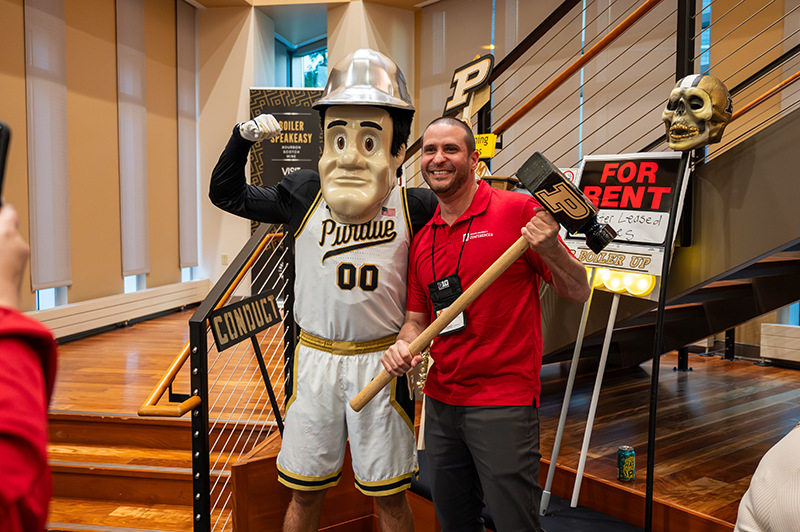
(634, 194)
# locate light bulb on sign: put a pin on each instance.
(636, 284)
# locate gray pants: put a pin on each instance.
(477, 453)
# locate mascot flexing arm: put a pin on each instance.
(352, 226)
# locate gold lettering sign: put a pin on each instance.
(240, 321)
(466, 80)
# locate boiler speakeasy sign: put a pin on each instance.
(634, 194)
(299, 145)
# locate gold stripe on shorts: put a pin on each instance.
(343, 348)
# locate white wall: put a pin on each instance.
(264, 50)
(387, 30)
(225, 58)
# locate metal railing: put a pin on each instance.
(151, 408)
(236, 414)
(568, 97)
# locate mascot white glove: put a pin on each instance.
(261, 127)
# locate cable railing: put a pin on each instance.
(151, 408)
(615, 87)
(753, 48)
(567, 96)
(596, 76)
(230, 400)
(241, 392)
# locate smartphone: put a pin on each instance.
(5, 138)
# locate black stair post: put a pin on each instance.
(658, 346)
(730, 344)
(683, 359)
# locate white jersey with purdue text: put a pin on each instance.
(351, 282)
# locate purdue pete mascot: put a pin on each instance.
(352, 227)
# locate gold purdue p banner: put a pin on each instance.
(244, 319)
(466, 80)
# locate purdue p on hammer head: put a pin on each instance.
(568, 205)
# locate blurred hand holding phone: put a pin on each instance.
(5, 138)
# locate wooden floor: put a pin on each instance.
(714, 423)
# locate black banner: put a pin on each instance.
(299, 146)
(239, 321)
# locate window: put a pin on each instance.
(705, 38)
(187, 274)
(305, 65)
(51, 297)
(315, 69)
(789, 315)
(135, 283)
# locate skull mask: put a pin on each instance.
(697, 112)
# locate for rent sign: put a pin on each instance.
(634, 194)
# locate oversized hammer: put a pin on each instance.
(569, 207)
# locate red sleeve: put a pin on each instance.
(28, 360)
(417, 295)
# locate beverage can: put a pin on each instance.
(626, 463)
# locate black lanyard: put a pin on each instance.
(433, 247)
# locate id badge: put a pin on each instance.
(443, 293)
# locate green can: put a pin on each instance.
(626, 463)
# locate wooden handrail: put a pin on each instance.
(177, 410)
(576, 66)
(150, 406)
(772, 92)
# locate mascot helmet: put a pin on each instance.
(366, 77)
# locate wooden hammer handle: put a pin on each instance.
(432, 331)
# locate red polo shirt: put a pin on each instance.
(495, 360)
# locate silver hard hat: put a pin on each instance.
(366, 77)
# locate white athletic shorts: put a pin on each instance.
(319, 421)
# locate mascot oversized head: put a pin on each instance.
(366, 115)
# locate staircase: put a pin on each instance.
(743, 262)
(122, 473)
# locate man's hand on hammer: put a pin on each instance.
(542, 232)
(397, 360)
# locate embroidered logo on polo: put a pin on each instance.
(478, 234)
(366, 235)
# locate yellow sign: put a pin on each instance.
(485, 145)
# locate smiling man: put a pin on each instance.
(482, 394)
(352, 226)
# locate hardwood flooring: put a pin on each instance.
(714, 423)
(115, 372)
